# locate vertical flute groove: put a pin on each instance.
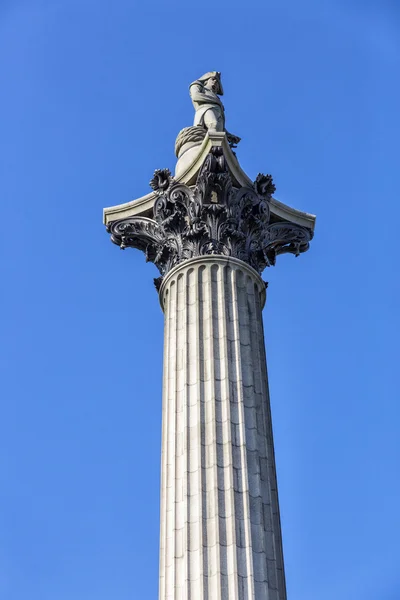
(220, 428)
(276, 565)
(180, 574)
(164, 451)
(213, 549)
(170, 499)
(257, 459)
(245, 562)
(232, 590)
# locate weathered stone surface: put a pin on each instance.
(217, 506)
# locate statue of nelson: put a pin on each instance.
(210, 113)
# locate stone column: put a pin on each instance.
(220, 525)
(211, 233)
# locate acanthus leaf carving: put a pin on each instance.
(212, 217)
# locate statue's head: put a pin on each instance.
(212, 81)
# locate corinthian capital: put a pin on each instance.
(214, 216)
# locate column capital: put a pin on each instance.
(212, 217)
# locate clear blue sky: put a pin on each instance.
(93, 95)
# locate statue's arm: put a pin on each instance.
(198, 96)
(196, 93)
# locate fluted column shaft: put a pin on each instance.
(220, 526)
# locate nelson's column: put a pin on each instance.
(211, 231)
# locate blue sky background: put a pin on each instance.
(93, 96)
